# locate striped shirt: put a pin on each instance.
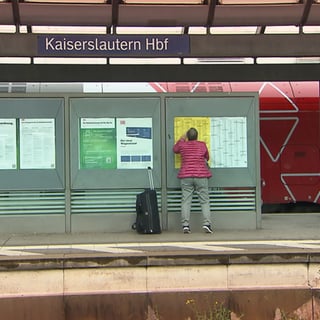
(194, 157)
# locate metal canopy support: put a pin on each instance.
(161, 73)
(151, 15)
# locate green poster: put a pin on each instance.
(98, 143)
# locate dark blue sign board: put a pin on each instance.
(113, 45)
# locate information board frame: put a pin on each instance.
(22, 107)
(129, 106)
(217, 105)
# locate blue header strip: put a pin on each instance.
(113, 45)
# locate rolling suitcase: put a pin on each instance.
(147, 219)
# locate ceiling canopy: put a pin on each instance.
(185, 14)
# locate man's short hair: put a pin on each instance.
(192, 134)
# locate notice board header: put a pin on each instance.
(113, 45)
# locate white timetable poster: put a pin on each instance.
(229, 142)
(8, 144)
(37, 144)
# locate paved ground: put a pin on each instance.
(279, 233)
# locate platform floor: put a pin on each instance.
(279, 233)
(255, 273)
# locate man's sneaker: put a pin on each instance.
(207, 229)
(186, 229)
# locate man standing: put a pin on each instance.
(193, 174)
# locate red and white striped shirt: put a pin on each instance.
(194, 157)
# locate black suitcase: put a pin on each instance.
(147, 219)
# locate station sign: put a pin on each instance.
(113, 45)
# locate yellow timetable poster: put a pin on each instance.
(181, 126)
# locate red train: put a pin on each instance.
(289, 136)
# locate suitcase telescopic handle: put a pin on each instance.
(150, 178)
